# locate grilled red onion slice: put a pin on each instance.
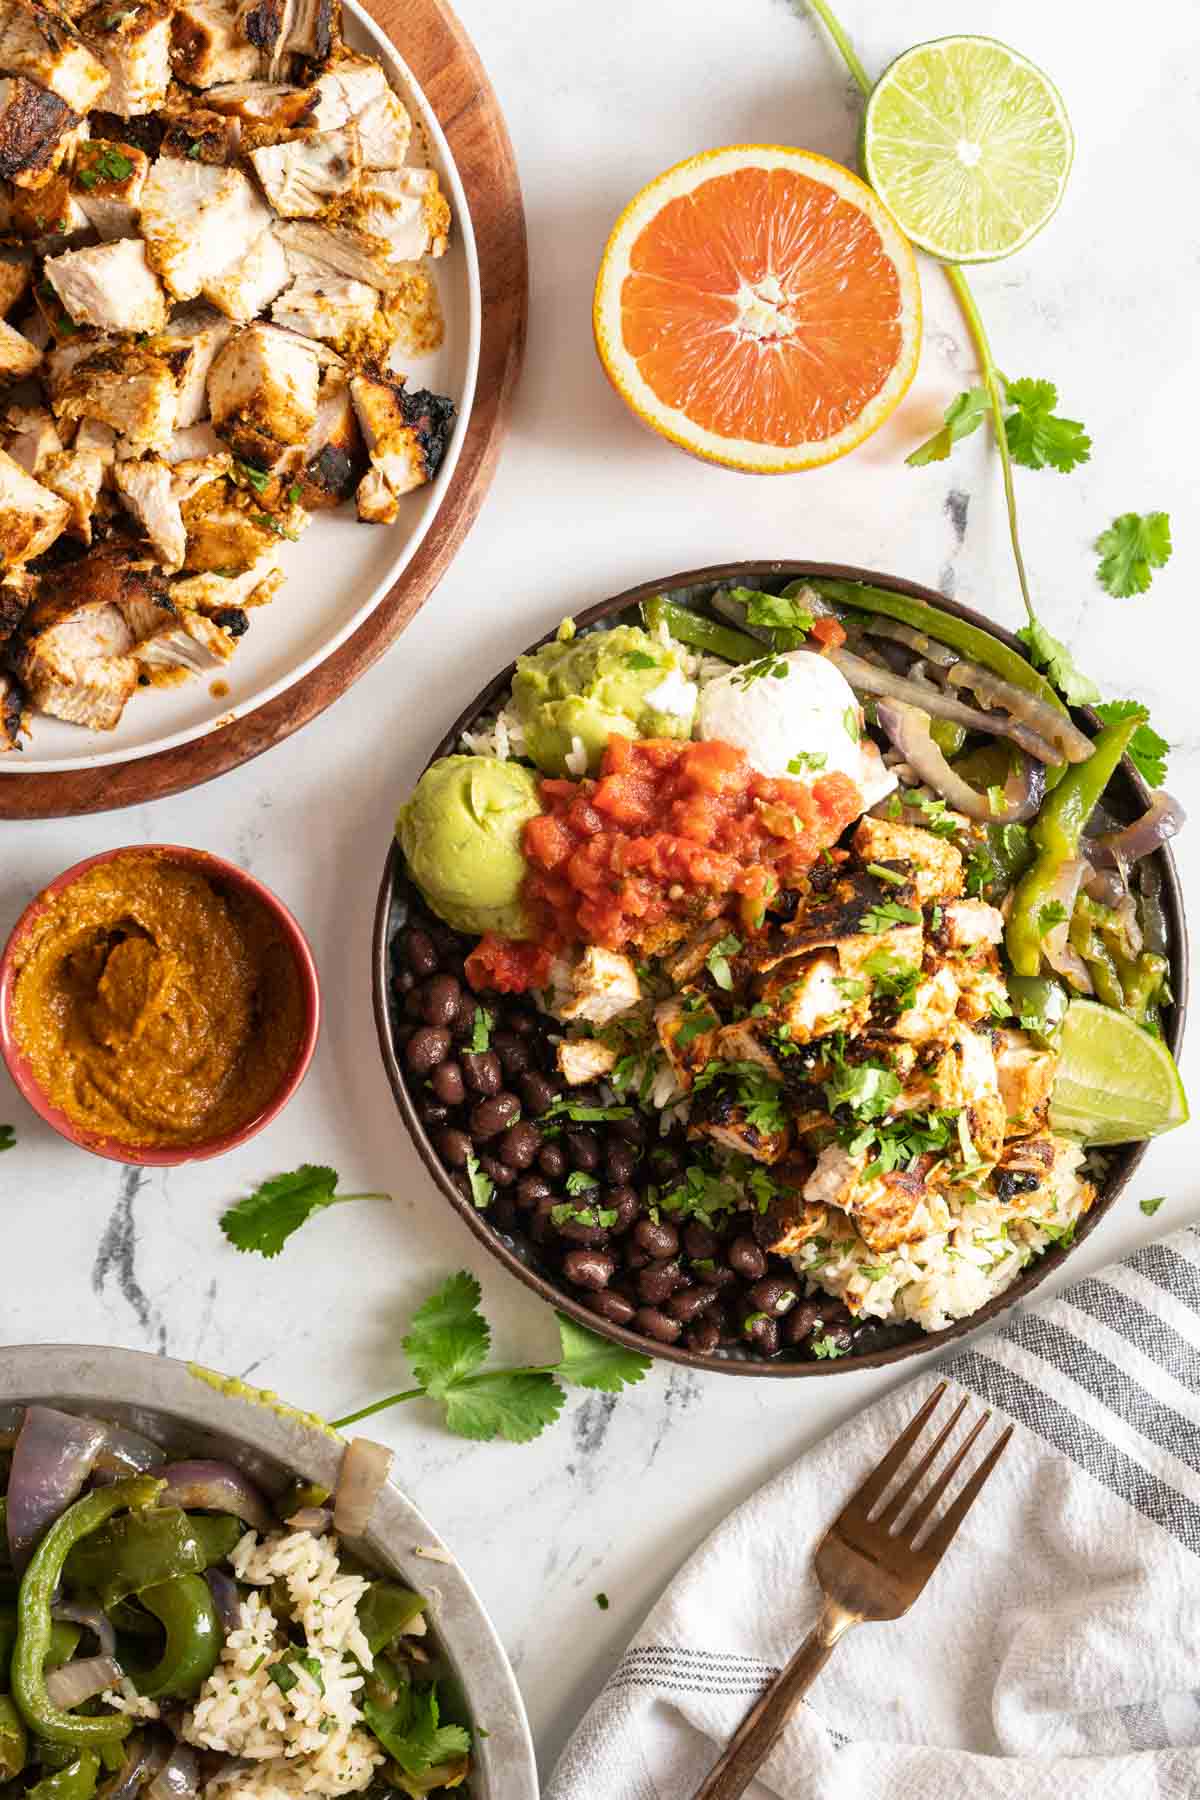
(1117, 849)
(1155, 929)
(226, 1599)
(52, 1458)
(1057, 948)
(179, 1777)
(143, 1755)
(866, 678)
(126, 1452)
(216, 1487)
(908, 728)
(1104, 885)
(81, 1680)
(317, 1519)
(97, 1622)
(361, 1478)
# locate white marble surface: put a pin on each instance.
(599, 99)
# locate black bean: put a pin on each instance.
(668, 1165)
(403, 1033)
(420, 954)
(841, 1336)
(832, 1309)
(633, 1131)
(537, 1092)
(704, 1336)
(699, 1241)
(588, 1268)
(552, 1161)
(577, 1232)
(481, 1071)
(426, 1048)
(520, 1144)
(762, 1333)
(583, 1147)
(500, 1172)
(690, 1304)
(658, 1282)
(658, 1240)
(403, 981)
(802, 1321)
(635, 1258)
(625, 1203)
(517, 1019)
(747, 1259)
(491, 1117)
(454, 965)
(541, 1225)
(719, 1276)
(613, 1307)
(445, 939)
(502, 1213)
(432, 1112)
(657, 1325)
(531, 1189)
(447, 1083)
(412, 1004)
(513, 1053)
(774, 1295)
(619, 1162)
(454, 1147)
(464, 1019)
(439, 1000)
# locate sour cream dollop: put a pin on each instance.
(810, 712)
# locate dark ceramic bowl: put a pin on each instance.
(883, 1344)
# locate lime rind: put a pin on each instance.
(969, 145)
(1116, 1084)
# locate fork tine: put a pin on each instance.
(924, 1507)
(864, 1499)
(939, 1538)
(895, 1506)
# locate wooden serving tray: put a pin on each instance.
(446, 66)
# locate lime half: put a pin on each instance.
(1115, 1083)
(969, 145)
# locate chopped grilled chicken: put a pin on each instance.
(394, 216)
(17, 592)
(228, 531)
(1039, 1175)
(215, 594)
(77, 477)
(334, 455)
(330, 307)
(30, 436)
(740, 1042)
(262, 392)
(340, 244)
(93, 692)
(938, 865)
(18, 357)
(1026, 1077)
(14, 283)
(684, 965)
(932, 1009)
(198, 220)
(133, 42)
(409, 320)
(199, 134)
(888, 1209)
(405, 433)
(40, 42)
(601, 986)
(268, 107)
(145, 488)
(93, 435)
(192, 341)
(109, 286)
(31, 517)
(131, 387)
(191, 442)
(792, 1222)
(808, 998)
(74, 650)
(36, 130)
(859, 951)
(45, 216)
(384, 132)
(313, 30)
(12, 712)
(376, 503)
(248, 286)
(107, 182)
(261, 22)
(721, 1117)
(982, 990)
(192, 475)
(962, 1079)
(348, 85)
(188, 645)
(969, 922)
(686, 1036)
(301, 176)
(583, 1059)
(833, 916)
(100, 604)
(206, 46)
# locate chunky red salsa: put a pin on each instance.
(671, 830)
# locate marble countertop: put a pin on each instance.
(585, 503)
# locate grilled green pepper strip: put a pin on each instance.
(701, 632)
(384, 1611)
(64, 1641)
(186, 1612)
(38, 1585)
(143, 1550)
(14, 1743)
(76, 1782)
(1056, 833)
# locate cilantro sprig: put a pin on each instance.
(447, 1344)
(1133, 545)
(267, 1218)
(718, 960)
(1147, 751)
(411, 1732)
(1037, 438)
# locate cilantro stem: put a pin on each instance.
(364, 1412)
(849, 54)
(417, 1393)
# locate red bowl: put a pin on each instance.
(163, 1156)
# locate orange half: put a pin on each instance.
(760, 307)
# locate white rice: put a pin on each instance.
(502, 736)
(576, 759)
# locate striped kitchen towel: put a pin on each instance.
(1055, 1655)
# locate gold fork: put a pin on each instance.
(870, 1569)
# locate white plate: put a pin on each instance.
(340, 570)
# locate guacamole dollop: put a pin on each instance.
(588, 687)
(461, 837)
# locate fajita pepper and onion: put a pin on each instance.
(168, 1630)
(815, 884)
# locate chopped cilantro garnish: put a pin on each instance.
(807, 759)
(585, 1115)
(578, 1182)
(718, 960)
(827, 1346)
(567, 1214)
(893, 877)
(886, 914)
(1050, 915)
(482, 1186)
(481, 1031)
(754, 671)
(851, 722)
(695, 1026)
(637, 659)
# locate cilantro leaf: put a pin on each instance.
(483, 1188)
(807, 759)
(514, 1405)
(8, 1137)
(579, 1181)
(1036, 438)
(1134, 544)
(827, 1346)
(867, 1089)
(448, 1337)
(718, 960)
(589, 1361)
(638, 659)
(1048, 653)
(585, 1115)
(779, 612)
(481, 1031)
(886, 914)
(965, 414)
(1052, 914)
(266, 1219)
(411, 1733)
(1150, 1207)
(1147, 750)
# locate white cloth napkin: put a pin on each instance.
(1055, 1654)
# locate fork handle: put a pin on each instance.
(763, 1726)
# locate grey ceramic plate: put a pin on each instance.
(1129, 797)
(168, 1402)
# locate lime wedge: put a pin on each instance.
(1115, 1083)
(969, 145)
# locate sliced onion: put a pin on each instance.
(226, 1598)
(140, 1755)
(317, 1519)
(1128, 922)
(126, 1452)
(866, 678)
(179, 1777)
(97, 1622)
(216, 1487)
(81, 1680)
(1158, 824)
(1057, 948)
(364, 1471)
(52, 1458)
(908, 728)
(1156, 931)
